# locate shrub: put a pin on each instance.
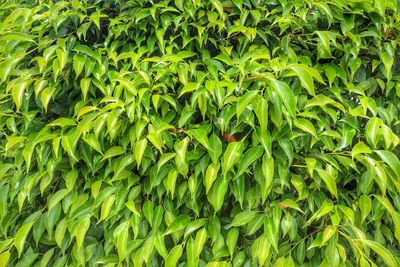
(218, 133)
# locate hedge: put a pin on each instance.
(199, 133)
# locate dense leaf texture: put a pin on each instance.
(199, 133)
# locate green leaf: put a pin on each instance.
(231, 240)
(188, 88)
(211, 175)
(200, 240)
(380, 6)
(6, 66)
(46, 258)
(218, 6)
(216, 148)
(231, 156)
(286, 95)
(18, 93)
(325, 208)
(140, 148)
(244, 101)
(391, 160)
(261, 110)
(377, 172)
(180, 159)
(372, 130)
(113, 152)
(17, 36)
(329, 181)
(383, 252)
(4, 257)
(83, 227)
(106, 207)
(85, 84)
(360, 148)
(289, 203)
(173, 256)
(306, 126)
(93, 142)
(271, 232)
(13, 141)
(305, 78)
(217, 194)
(243, 218)
(60, 232)
(56, 198)
(78, 64)
(328, 233)
(201, 137)
(178, 224)
(365, 204)
(20, 237)
(249, 157)
(160, 245)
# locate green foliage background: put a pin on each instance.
(199, 133)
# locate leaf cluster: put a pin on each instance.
(199, 133)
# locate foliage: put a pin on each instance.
(217, 133)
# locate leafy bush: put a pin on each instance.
(218, 133)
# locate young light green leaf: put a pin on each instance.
(391, 160)
(328, 233)
(78, 64)
(140, 147)
(305, 78)
(60, 232)
(360, 148)
(306, 126)
(106, 207)
(57, 197)
(83, 227)
(17, 36)
(289, 203)
(160, 245)
(178, 224)
(383, 252)
(231, 240)
(188, 88)
(325, 208)
(261, 110)
(243, 218)
(378, 172)
(113, 152)
(372, 130)
(380, 6)
(4, 257)
(365, 204)
(244, 101)
(268, 170)
(271, 232)
(329, 181)
(201, 137)
(211, 175)
(218, 6)
(20, 237)
(18, 93)
(216, 148)
(200, 240)
(85, 84)
(173, 256)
